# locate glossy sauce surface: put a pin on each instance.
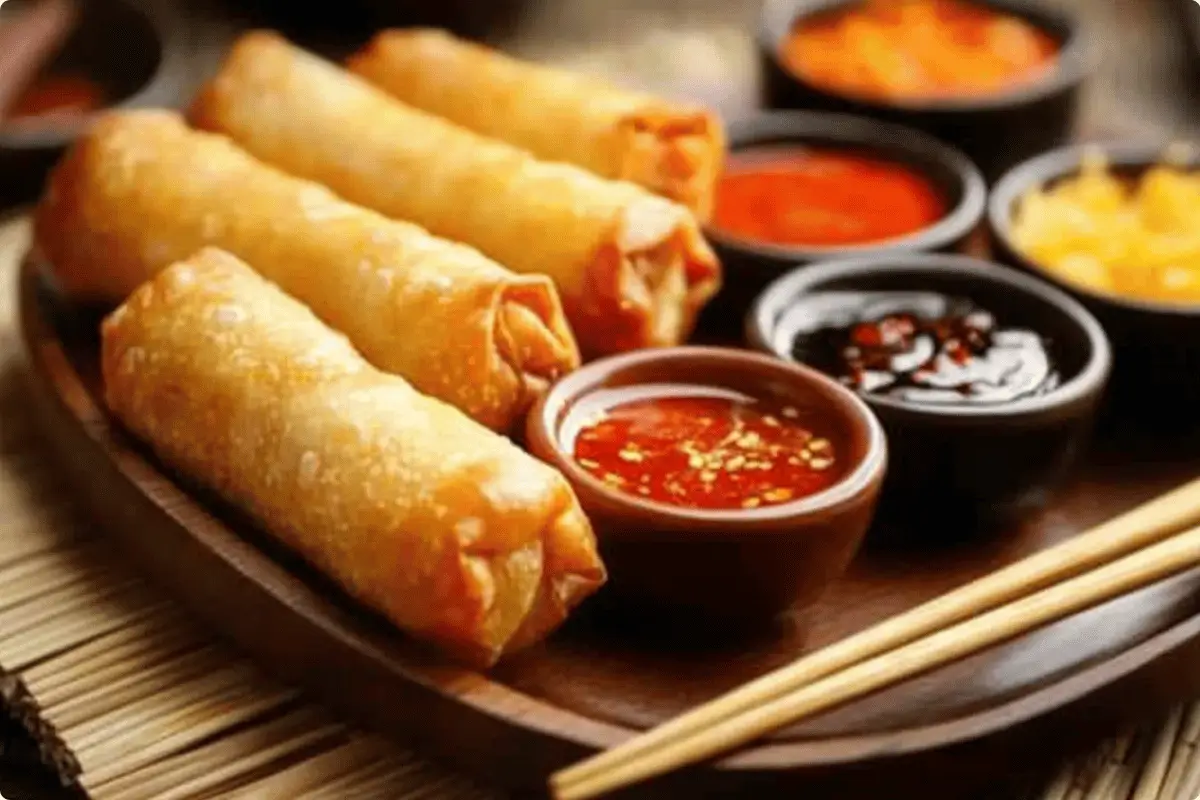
(821, 198)
(57, 96)
(920, 347)
(702, 448)
(918, 50)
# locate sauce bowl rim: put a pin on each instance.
(794, 129)
(1063, 162)
(1088, 381)
(158, 89)
(1074, 57)
(543, 422)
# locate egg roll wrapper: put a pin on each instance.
(443, 526)
(631, 267)
(671, 148)
(142, 190)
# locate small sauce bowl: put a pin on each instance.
(957, 468)
(721, 568)
(1156, 372)
(994, 129)
(750, 265)
(125, 48)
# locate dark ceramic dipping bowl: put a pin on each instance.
(749, 266)
(1156, 369)
(119, 44)
(719, 569)
(961, 468)
(995, 131)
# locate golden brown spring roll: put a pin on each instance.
(632, 268)
(446, 528)
(669, 148)
(142, 190)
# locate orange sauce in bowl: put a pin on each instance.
(816, 198)
(918, 50)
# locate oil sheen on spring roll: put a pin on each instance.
(142, 190)
(632, 268)
(672, 149)
(446, 528)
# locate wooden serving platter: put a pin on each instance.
(951, 733)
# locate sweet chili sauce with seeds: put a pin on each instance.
(714, 450)
(921, 347)
(822, 198)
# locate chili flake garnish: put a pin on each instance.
(707, 452)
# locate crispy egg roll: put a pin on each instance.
(632, 268)
(443, 526)
(668, 147)
(142, 190)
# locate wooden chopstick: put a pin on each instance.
(1154, 563)
(1143, 525)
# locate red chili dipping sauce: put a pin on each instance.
(57, 95)
(702, 448)
(816, 198)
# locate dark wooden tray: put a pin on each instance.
(951, 733)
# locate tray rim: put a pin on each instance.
(56, 379)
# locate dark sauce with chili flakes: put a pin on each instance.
(702, 448)
(920, 347)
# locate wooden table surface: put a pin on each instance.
(1143, 86)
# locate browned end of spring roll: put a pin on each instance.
(632, 267)
(446, 528)
(141, 190)
(668, 147)
(651, 277)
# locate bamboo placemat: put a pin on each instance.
(134, 700)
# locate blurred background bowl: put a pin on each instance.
(1156, 373)
(995, 131)
(749, 266)
(956, 469)
(124, 47)
(1188, 14)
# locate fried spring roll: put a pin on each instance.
(632, 268)
(142, 190)
(672, 149)
(446, 528)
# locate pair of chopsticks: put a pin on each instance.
(1141, 547)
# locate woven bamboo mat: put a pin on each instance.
(137, 701)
